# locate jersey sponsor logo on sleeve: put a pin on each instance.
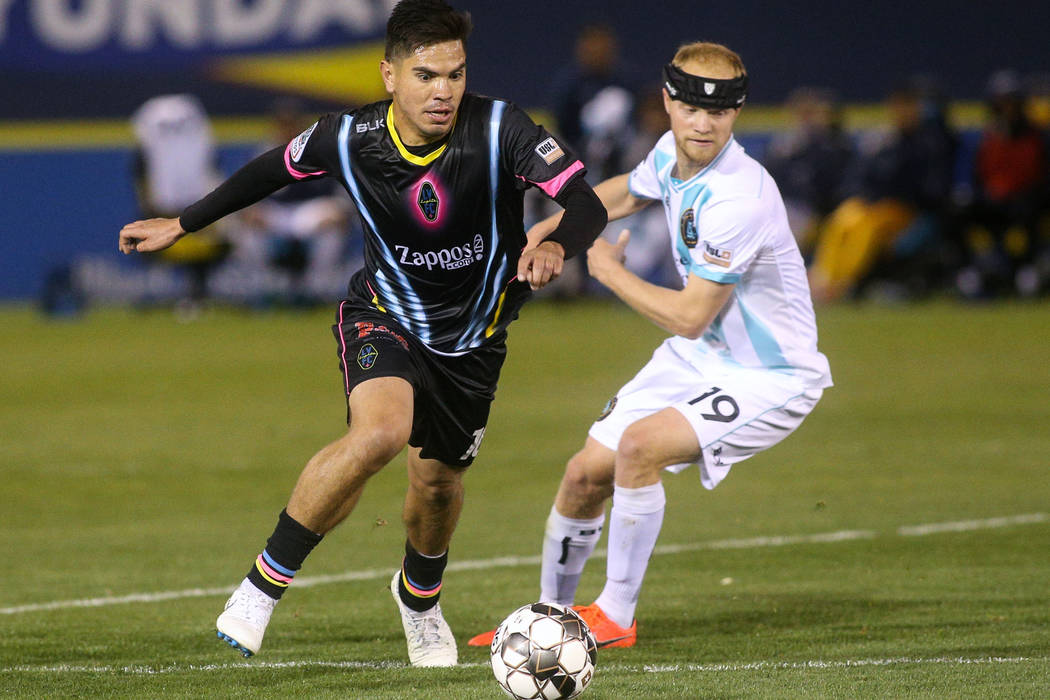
(549, 150)
(609, 406)
(717, 256)
(687, 228)
(299, 143)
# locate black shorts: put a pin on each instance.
(452, 393)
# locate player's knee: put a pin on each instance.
(586, 478)
(435, 487)
(379, 444)
(637, 451)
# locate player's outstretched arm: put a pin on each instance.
(259, 178)
(686, 312)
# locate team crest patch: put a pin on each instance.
(367, 356)
(687, 228)
(549, 150)
(299, 144)
(717, 256)
(428, 201)
(609, 406)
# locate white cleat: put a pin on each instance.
(244, 619)
(430, 641)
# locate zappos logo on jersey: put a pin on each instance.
(428, 201)
(687, 228)
(447, 258)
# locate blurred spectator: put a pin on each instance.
(593, 102)
(593, 105)
(810, 161)
(898, 196)
(300, 230)
(1010, 187)
(175, 165)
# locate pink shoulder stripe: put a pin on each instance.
(553, 186)
(297, 174)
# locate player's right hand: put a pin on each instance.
(604, 257)
(149, 235)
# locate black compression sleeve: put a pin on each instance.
(583, 220)
(259, 178)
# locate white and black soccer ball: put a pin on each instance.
(543, 651)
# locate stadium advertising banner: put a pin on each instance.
(89, 57)
(118, 33)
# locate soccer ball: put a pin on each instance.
(543, 651)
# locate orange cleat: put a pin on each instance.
(607, 634)
(482, 640)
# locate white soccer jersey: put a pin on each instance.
(175, 136)
(727, 224)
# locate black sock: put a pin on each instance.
(285, 551)
(420, 580)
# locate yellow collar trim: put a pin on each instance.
(405, 153)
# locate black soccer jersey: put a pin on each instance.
(443, 231)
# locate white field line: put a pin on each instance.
(964, 525)
(605, 668)
(511, 561)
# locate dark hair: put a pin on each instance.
(415, 23)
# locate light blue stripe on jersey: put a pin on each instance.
(714, 275)
(695, 196)
(664, 164)
(390, 298)
(475, 332)
(765, 344)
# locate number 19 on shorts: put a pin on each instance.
(724, 408)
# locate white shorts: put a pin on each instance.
(735, 412)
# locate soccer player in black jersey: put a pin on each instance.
(437, 176)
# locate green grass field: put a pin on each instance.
(895, 546)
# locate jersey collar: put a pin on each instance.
(405, 153)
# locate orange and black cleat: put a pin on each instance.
(607, 634)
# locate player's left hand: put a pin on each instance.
(541, 264)
(604, 256)
(149, 235)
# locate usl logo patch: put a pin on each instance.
(687, 228)
(609, 406)
(299, 144)
(367, 356)
(428, 201)
(549, 150)
(717, 256)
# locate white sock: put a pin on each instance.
(567, 543)
(634, 525)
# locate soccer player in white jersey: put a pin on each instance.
(741, 370)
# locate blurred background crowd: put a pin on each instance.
(889, 202)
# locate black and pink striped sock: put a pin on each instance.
(283, 556)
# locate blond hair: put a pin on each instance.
(711, 54)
